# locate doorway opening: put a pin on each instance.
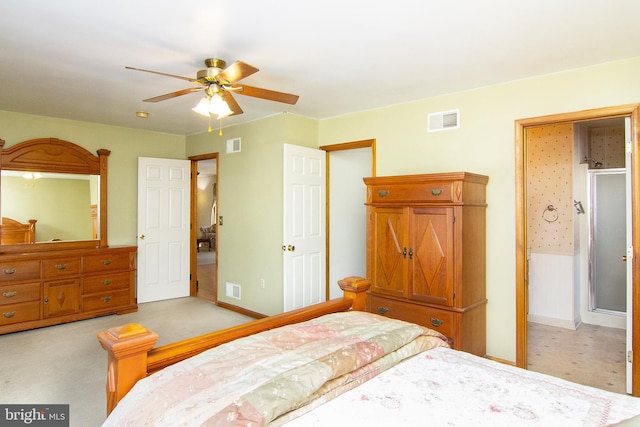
(347, 164)
(525, 209)
(204, 229)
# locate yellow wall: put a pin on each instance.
(251, 181)
(126, 146)
(484, 144)
(250, 201)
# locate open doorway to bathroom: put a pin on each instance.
(576, 242)
(554, 155)
(204, 232)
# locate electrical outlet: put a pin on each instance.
(220, 220)
(261, 283)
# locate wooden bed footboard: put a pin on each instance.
(131, 355)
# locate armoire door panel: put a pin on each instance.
(432, 255)
(389, 252)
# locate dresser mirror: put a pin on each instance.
(52, 196)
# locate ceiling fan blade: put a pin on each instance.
(189, 79)
(271, 95)
(173, 94)
(233, 104)
(235, 72)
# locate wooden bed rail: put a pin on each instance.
(131, 355)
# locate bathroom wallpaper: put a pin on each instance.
(606, 145)
(550, 189)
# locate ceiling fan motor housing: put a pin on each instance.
(214, 67)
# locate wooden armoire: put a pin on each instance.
(426, 253)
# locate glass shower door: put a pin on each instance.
(608, 246)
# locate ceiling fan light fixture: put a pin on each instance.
(202, 107)
(215, 105)
(219, 106)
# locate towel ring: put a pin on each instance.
(550, 214)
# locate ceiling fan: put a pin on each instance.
(218, 83)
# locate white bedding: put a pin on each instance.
(444, 387)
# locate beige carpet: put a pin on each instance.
(65, 363)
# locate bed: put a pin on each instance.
(332, 364)
(13, 232)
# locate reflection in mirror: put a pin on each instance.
(64, 205)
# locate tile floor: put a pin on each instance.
(591, 355)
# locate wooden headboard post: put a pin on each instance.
(356, 288)
(131, 355)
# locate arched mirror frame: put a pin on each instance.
(58, 156)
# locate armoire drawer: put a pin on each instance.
(19, 270)
(105, 262)
(61, 267)
(431, 192)
(105, 283)
(439, 320)
(105, 300)
(21, 312)
(13, 294)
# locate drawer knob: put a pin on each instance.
(9, 270)
(106, 299)
(436, 322)
(382, 310)
(9, 294)
(436, 191)
(61, 266)
(106, 282)
(383, 193)
(106, 261)
(9, 314)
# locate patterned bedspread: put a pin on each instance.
(255, 380)
(444, 387)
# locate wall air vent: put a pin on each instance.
(233, 290)
(444, 120)
(233, 145)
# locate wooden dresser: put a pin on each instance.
(426, 253)
(51, 287)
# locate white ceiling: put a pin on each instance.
(67, 58)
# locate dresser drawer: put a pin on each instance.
(19, 270)
(13, 294)
(21, 312)
(105, 262)
(105, 301)
(431, 192)
(105, 283)
(61, 267)
(442, 321)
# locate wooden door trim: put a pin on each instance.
(631, 110)
(365, 143)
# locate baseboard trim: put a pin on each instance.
(550, 321)
(240, 310)
(503, 361)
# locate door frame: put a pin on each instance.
(193, 265)
(365, 143)
(631, 110)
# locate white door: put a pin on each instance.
(304, 227)
(629, 258)
(163, 228)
